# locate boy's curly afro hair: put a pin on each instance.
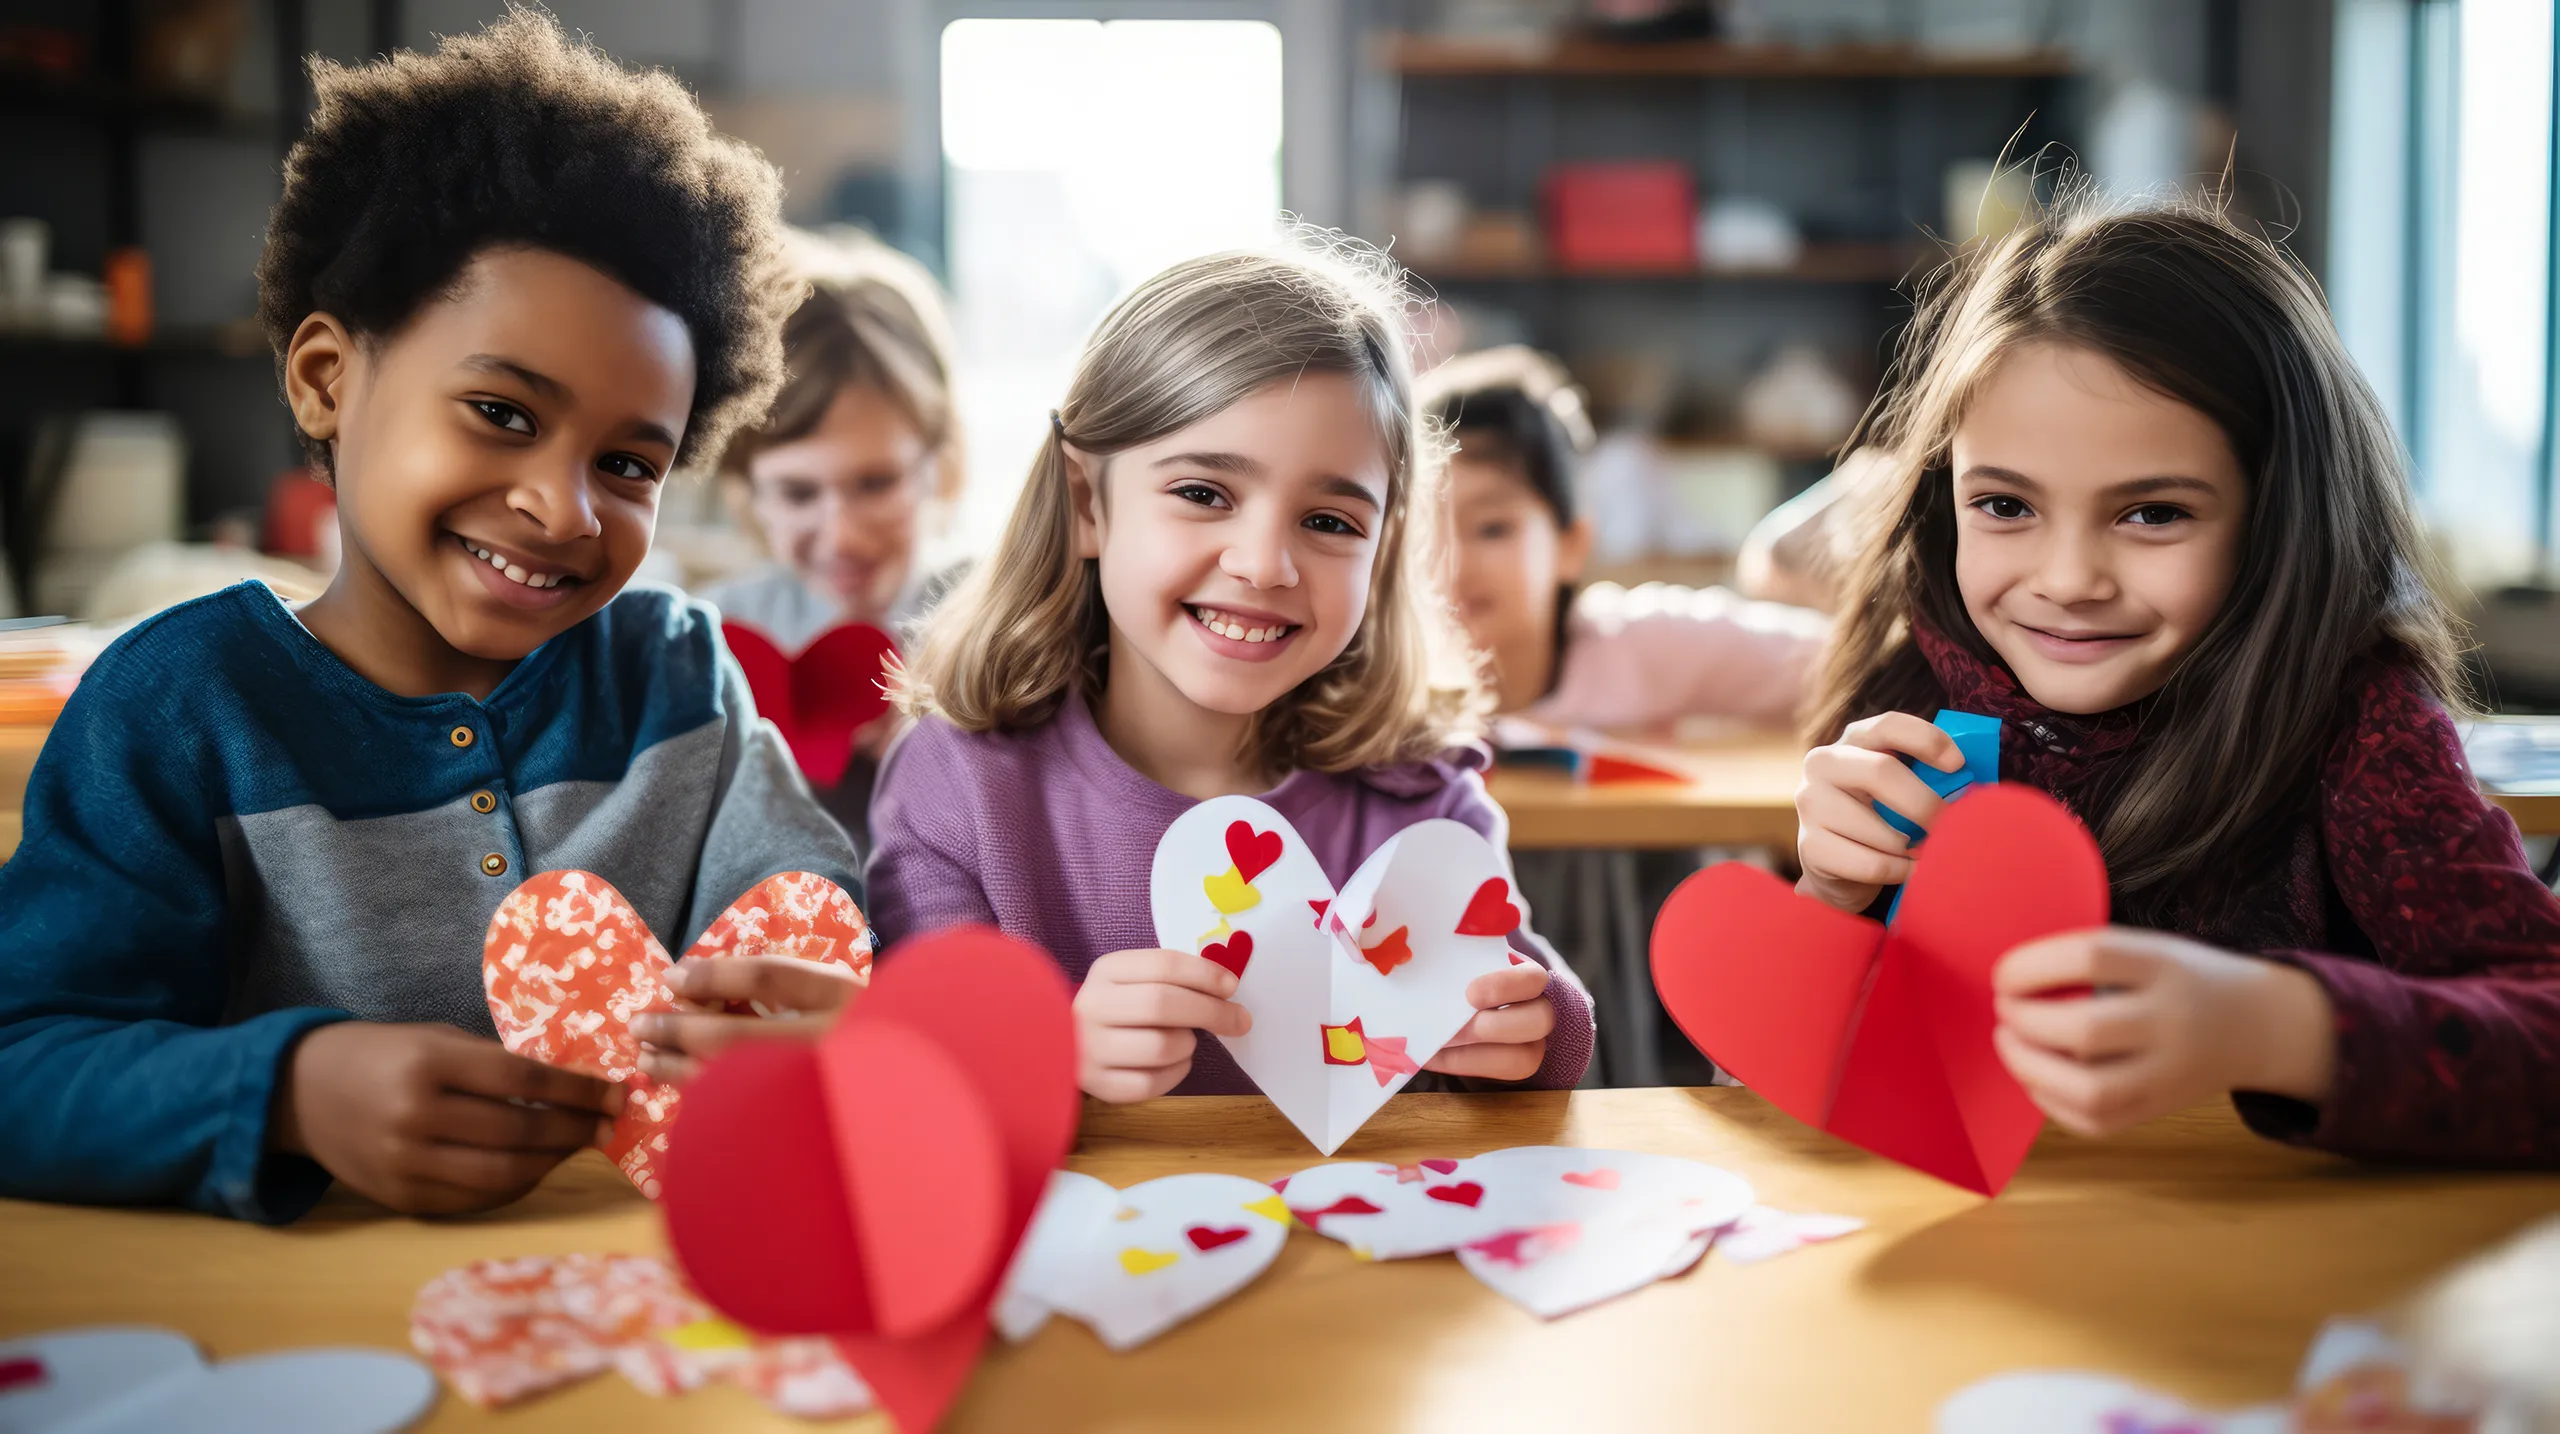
(516, 135)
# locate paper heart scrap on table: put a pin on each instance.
(1134, 1263)
(2356, 1377)
(133, 1379)
(1552, 1228)
(1882, 1035)
(1351, 991)
(567, 963)
(873, 1186)
(821, 698)
(502, 1331)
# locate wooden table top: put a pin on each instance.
(2188, 1255)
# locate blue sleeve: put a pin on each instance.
(122, 1088)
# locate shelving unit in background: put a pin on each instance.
(94, 155)
(1853, 141)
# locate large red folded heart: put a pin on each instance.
(567, 963)
(820, 698)
(1882, 1035)
(872, 1187)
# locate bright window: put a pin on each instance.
(2441, 271)
(1081, 157)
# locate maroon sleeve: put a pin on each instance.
(2449, 1040)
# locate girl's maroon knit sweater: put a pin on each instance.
(2402, 891)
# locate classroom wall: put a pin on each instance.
(842, 94)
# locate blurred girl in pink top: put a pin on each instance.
(1605, 658)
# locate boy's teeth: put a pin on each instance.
(514, 573)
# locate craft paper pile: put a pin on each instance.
(1351, 991)
(1552, 1228)
(871, 1187)
(133, 1379)
(568, 963)
(1882, 1035)
(501, 1331)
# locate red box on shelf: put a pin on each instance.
(1636, 214)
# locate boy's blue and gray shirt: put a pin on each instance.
(231, 838)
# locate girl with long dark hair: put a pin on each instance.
(2149, 515)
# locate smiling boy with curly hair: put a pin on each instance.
(510, 286)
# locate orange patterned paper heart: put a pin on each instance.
(567, 963)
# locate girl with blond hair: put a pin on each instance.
(1217, 580)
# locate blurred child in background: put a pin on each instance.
(1602, 657)
(847, 471)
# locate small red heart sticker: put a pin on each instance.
(1438, 1167)
(1204, 1238)
(1231, 953)
(1603, 1178)
(1465, 1192)
(1489, 911)
(1253, 852)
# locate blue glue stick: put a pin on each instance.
(1978, 738)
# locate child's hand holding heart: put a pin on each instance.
(2110, 1027)
(1136, 1016)
(429, 1120)
(1506, 1039)
(1848, 851)
(801, 996)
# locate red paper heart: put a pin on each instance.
(1603, 1178)
(1880, 1035)
(821, 698)
(1489, 911)
(567, 962)
(873, 1187)
(1204, 1239)
(1253, 852)
(1465, 1192)
(1233, 953)
(1438, 1167)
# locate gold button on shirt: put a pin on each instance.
(484, 802)
(464, 736)
(494, 864)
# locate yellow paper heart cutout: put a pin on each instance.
(1231, 893)
(1138, 1261)
(1270, 1207)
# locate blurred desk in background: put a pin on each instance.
(18, 748)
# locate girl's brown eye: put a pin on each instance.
(2003, 507)
(504, 415)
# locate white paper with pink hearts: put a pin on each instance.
(1134, 1263)
(1552, 1228)
(1322, 960)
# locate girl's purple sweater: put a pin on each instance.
(1049, 836)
